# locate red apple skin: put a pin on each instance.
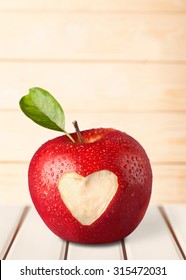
(102, 148)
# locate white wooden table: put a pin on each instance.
(161, 235)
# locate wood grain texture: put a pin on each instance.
(175, 216)
(93, 36)
(169, 183)
(8, 229)
(98, 86)
(14, 184)
(40, 244)
(163, 135)
(152, 239)
(95, 6)
(110, 63)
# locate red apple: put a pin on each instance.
(91, 192)
(90, 187)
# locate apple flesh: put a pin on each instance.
(86, 202)
(92, 192)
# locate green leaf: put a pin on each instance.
(40, 106)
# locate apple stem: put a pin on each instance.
(78, 131)
(69, 136)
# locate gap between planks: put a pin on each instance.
(124, 249)
(173, 234)
(21, 221)
(64, 254)
(121, 243)
(66, 251)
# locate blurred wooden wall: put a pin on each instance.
(119, 63)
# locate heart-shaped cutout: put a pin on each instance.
(87, 197)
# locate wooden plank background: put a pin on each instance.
(110, 63)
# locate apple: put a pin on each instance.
(89, 187)
(91, 192)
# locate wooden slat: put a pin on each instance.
(9, 219)
(162, 135)
(35, 241)
(98, 86)
(93, 36)
(168, 184)
(176, 215)
(95, 252)
(14, 184)
(96, 5)
(152, 239)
